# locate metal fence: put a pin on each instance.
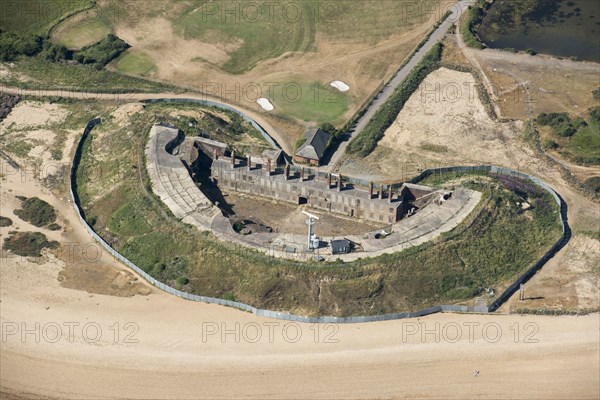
(323, 319)
(566, 231)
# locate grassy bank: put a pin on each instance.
(41, 74)
(469, 23)
(498, 242)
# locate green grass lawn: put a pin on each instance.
(135, 63)
(310, 102)
(37, 16)
(263, 37)
(84, 33)
(498, 242)
(584, 146)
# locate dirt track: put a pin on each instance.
(130, 97)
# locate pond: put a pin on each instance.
(567, 28)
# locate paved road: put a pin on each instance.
(400, 76)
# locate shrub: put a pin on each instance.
(595, 114)
(531, 52)
(596, 93)
(13, 45)
(182, 281)
(550, 144)
(54, 227)
(5, 221)
(593, 183)
(36, 211)
(28, 244)
(560, 123)
(469, 25)
(101, 53)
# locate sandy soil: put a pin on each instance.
(32, 113)
(443, 123)
(568, 281)
(165, 349)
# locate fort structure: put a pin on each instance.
(329, 193)
(406, 214)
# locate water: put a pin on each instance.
(567, 28)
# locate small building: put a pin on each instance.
(312, 151)
(341, 246)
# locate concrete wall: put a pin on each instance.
(353, 203)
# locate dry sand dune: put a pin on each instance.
(160, 346)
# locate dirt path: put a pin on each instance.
(130, 97)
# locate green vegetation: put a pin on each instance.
(84, 33)
(497, 243)
(219, 124)
(311, 102)
(28, 244)
(19, 148)
(13, 46)
(5, 221)
(38, 16)
(135, 63)
(78, 78)
(593, 183)
(576, 139)
(36, 211)
(469, 23)
(366, 141)
(596, 94)
(263, 33)
(101, 53)
(435, 148)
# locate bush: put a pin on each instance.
(469, 25)
(531, 52)
(560, 123)
(550, 144)
(596, 94)
(182, 281)
(595, 114)
(54, 227)
(36, 211)
(593, 183)
(366, 141)
(12, 45)
(5, 221)
(101, 53)
(28, 244)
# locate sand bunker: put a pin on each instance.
(339, 85)
(265, 104)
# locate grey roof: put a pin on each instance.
(340, 246)
(314, 147)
